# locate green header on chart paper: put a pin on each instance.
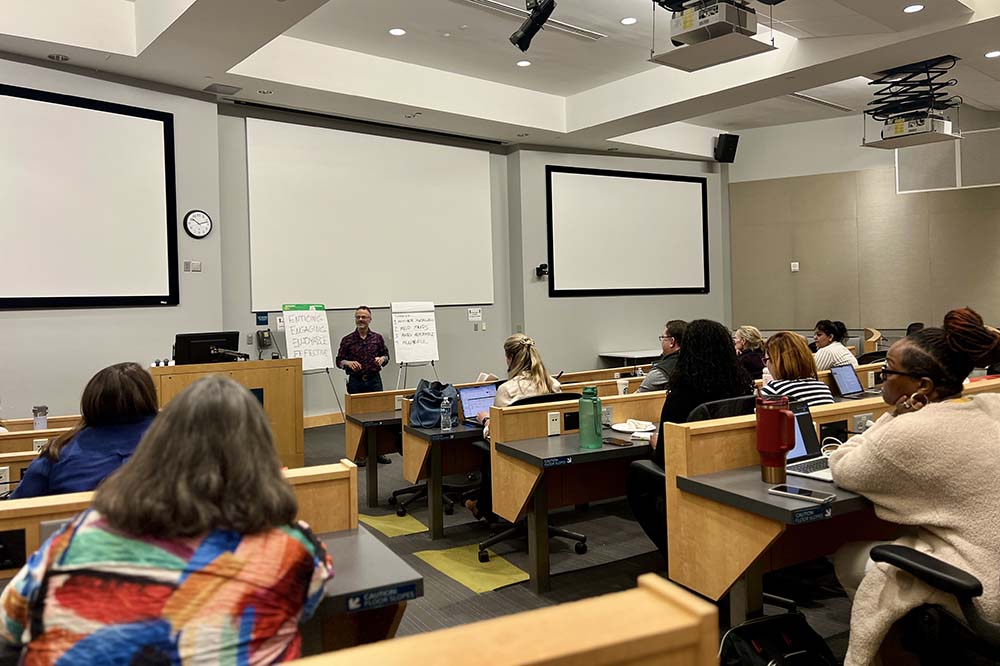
(302, 306)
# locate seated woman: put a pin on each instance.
(750, 350)
(527, 377)
(830, 349)
(930, 463)
(794, 371)
(116, 408)
(189, 553)
(707, 370)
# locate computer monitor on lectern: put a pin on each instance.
(190, 348)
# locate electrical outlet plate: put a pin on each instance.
(859, 420)
(37, 444)
(4, 479)
(554, 424)
(280, 322)
(398, 404)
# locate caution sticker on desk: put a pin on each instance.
(812, 514)
(379, 598)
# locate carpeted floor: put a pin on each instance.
(618, 553)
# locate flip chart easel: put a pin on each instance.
(414, 337)
(307, 336)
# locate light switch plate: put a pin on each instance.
(795, 267)
(398, 403)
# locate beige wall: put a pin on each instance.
(868, 256)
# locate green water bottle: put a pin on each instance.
(590, 419)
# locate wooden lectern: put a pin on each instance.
(277, 384)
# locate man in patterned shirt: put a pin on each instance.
(362, 355)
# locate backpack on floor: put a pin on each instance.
(778, 640)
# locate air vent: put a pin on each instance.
(222, 89)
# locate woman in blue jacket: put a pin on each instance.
(117, 406)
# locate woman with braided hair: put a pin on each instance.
(930, 463)
(526, 377)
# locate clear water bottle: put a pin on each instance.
(590, 419)
(446, 414)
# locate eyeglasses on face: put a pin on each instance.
(665, 337)
(767, 359)
(883, 374)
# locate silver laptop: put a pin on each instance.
(806, 459)
(845, 378)
(475, 399)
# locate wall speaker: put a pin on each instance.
(725, 148)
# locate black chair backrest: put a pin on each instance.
(546, 397)
(872, 357)
(720, 409)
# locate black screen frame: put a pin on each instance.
(172, 298)
(564, 293)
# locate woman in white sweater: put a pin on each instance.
(830, 350)
(527, 377)
(932, 463)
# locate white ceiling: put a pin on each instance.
(336, 57)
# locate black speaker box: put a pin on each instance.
(725, 148)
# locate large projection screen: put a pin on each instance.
(620, 233)
(343, 218)
(88, 199)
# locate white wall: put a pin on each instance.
(805, 149)
(47, 356)
(571, 331)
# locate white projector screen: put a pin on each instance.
(344, 218)
(601, 221)
(87, 190)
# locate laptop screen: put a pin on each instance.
(846, 379)
(476, 399)
(806, 442)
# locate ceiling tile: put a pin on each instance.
(838, 26)
(890, 12)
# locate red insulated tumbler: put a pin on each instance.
(775, 436)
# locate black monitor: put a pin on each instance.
(192, 348)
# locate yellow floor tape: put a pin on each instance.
(462, 564)
(393, 525)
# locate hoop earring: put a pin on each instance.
(918, 400)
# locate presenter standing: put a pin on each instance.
(362, 355)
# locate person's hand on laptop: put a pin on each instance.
(482, 416)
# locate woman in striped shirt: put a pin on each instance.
(794, 371)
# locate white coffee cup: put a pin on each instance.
(622, 386)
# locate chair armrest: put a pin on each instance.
(648, 468)
(934, 572)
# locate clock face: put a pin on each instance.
(197, 224)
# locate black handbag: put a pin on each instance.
(781, 640)
(426, 409)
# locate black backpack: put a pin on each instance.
(781, 640)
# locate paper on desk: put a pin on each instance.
(636, 424)
(642, 436)
(486, 377)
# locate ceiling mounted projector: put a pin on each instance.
(710, 32)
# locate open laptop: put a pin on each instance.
(475, 399)
(806, 459)
(848, 385)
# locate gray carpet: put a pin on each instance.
(618, 553)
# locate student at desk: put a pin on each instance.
(189, 553)
(794, 371)
(116, 408)
(749, 344)
(670, 342)
(527, 377)
(829, 337)
(930, 463)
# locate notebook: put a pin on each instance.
(848, 385)
(475, 399)
(806, 459)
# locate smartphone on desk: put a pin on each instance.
(614, 441)
(804, 494)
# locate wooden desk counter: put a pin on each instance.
(374, 431)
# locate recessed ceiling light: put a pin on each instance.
(262, 91)
(446, 34)
(629, 20)
(524, 63)
(58, 57)
(397, 32)
(993, 54)
(913, 9)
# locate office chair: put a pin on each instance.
(933, 633)
(453, 489)
(872, 357)
(646, 482)
(520, 528)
